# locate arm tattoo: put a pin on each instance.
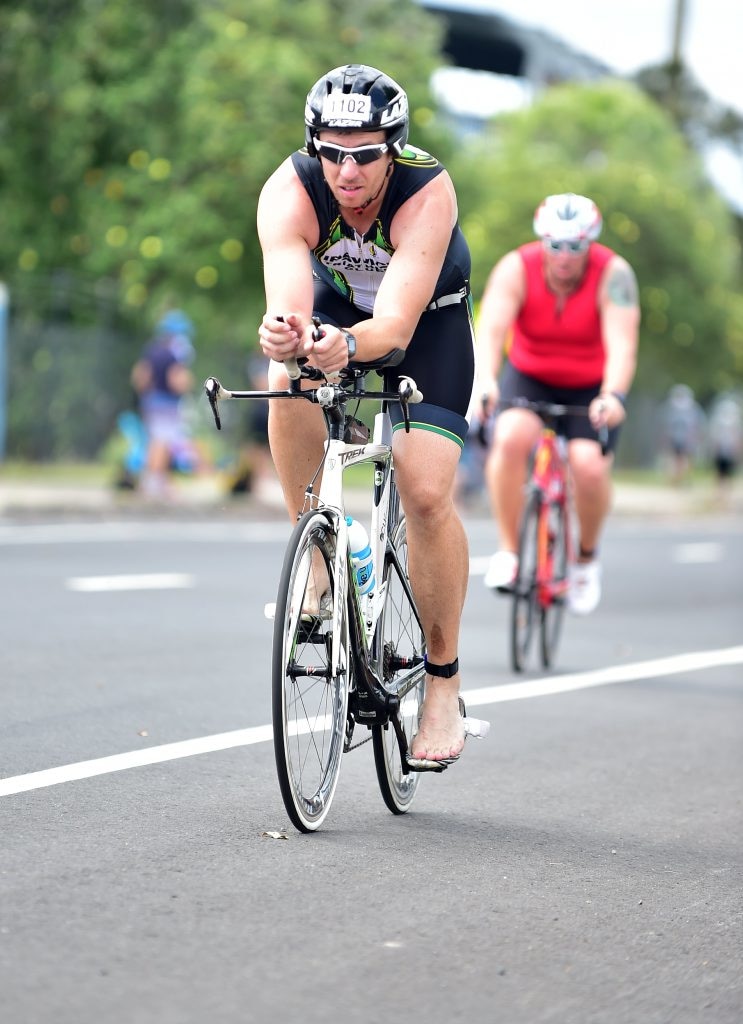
(621, 287)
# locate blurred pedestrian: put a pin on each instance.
(682, 431)
(162, 378)
(725, 432)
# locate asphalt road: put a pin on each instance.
(582, 864)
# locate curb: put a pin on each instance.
(210, 496)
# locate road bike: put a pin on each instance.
(546, 548)
(343, 659)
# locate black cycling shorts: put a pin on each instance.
(514, 384)
(440, 359)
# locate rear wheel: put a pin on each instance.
(524, 609)
(311, 668)
(399, 648)
(555, 523)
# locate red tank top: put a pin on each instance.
(566, 348)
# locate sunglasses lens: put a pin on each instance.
(361, 155)
(368, 154)
(334, 155)
(576, 246)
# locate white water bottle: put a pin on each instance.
(361, 556)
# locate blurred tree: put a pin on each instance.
(611, 142)
(134, 140)
(135, 137)
(140, 135)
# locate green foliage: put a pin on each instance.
(139, 136)
(612, 143)
(142, 134)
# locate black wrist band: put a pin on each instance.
(350, 341)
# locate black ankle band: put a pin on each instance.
(442, 671)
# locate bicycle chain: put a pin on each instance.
(359, 744)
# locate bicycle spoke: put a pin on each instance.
(399, 650)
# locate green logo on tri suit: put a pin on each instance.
(416, 158)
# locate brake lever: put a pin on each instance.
(212, 387)
(317, 334)
(408, 392)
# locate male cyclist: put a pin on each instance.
(566, 308)
(361, 230)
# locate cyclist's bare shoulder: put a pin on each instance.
(618, 284)
(432, 208)
(285, 208)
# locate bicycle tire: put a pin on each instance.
(398, 650)
(310, 700)
(524, 612)
(554, 521)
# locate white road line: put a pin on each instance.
(131, 581)
(135, 759)
(550, 685)
(545, 687)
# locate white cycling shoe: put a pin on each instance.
(584, 592)
(502, 570)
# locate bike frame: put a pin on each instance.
(551, 477)
(340, 455)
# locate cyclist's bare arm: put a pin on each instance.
(420, 233)
(620, 322)
(287, 228)
(502, 299)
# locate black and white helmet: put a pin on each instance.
(358, 97)
(567, 218)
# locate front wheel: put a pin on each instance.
(311, 668)
(399, 648)
(524, 596)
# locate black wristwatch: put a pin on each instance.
(351, 342)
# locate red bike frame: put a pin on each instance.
(550, 475)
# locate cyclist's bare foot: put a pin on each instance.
(441, 731)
